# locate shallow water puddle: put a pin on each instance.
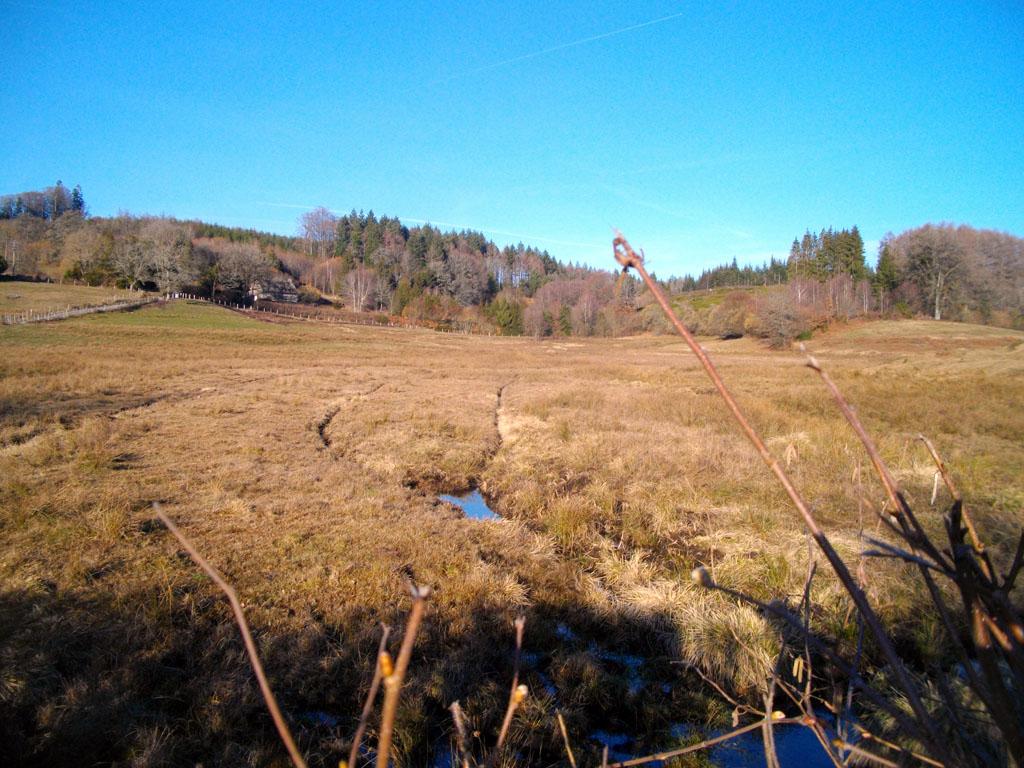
(473, 504)
(794, 744)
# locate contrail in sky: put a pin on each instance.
(573, 44)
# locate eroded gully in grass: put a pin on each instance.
(647, 708)
(471, 501)
(645, 683)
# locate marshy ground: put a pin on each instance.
(306, 460)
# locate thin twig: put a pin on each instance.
(565, 738)
(370, 696)
(659, 756)
(866, 734)
(892, 488)
(460, 733)
(940, 465)
(803, 700)
(771, 756)
(911, 532)
(243, 627)
(721, 691)
(888, 550)
(517, 694)
(875, 696)
(393, 682)
(628, 258)
(863, 753)
(1015, 565)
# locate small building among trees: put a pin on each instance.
(274, 288)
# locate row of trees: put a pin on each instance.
(371, 263)
(943, 271)
(49, 203)
(381, 264)
(828, 254)
(954, 272)
(773, 272)
(939, 270)
(136, 252)
(163, 254)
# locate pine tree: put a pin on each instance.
(856, 267)
(507, 315)
(887, 275)
(371, 236)
(77, 201)
(565, 320)
(343, 237)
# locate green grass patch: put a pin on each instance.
(20, 296)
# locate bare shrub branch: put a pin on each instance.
(518, 692)
(393, 681)
(660, 756)
(243, 627)
(565, 739)
(371, 695)
(923, 726)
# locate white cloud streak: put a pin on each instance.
(563, 46)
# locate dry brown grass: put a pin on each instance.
(304, 460)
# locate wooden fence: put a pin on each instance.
(47, 315)
(312, 315)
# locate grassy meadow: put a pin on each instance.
(17, 296)
(305, 459)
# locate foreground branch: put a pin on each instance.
(924, 725)
(393, 679)
(243, 627)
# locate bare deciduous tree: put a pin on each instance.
(360, 284)
(240, 265)
(167, 246)
(129, 258)
(319, 229)
(933, 261)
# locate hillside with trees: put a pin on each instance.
(954, 272)
(367, 263)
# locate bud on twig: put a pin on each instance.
(387, 667)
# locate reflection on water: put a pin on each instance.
(795, 745)
(473, 504)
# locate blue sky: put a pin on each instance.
(703, 131)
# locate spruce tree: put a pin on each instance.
(77, 201)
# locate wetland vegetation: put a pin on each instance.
(305, 460)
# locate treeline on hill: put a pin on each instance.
(462, 279)
(942, 271)
(49, 203)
